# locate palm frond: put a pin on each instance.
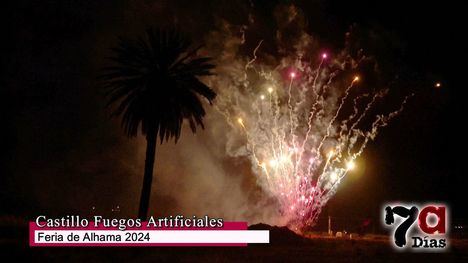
(153, 83)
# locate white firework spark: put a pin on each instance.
(289, 122)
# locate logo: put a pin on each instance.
(430, 231)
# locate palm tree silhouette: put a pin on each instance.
(154, 82)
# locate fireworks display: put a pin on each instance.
(289, 120)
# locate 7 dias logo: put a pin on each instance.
(430, 232)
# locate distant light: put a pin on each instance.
(331, 153)
(438, 85)
(350, 165)
(356, 78)
(270, 90)
(292, 75)
(324, 55)
(262, 97)
(240, 121)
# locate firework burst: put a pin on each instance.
(289, 121)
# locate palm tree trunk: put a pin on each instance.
(148, 177)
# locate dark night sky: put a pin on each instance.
(52, 112)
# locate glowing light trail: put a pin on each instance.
(298, 144)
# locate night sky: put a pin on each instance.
(63, 153)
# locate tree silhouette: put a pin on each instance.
(154, 83)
